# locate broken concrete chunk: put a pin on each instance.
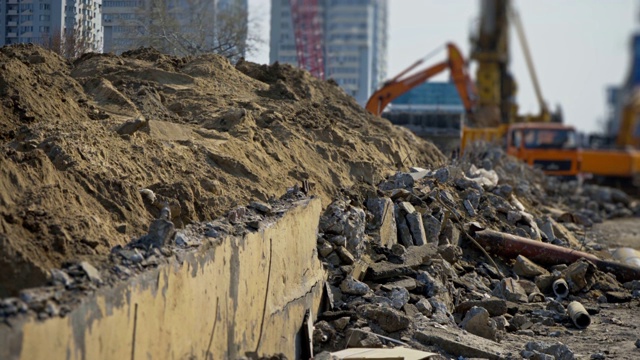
(404, 232)
(442, 175)
(398, 181)
(383, 226)
(494, 306)
(546, 227)
(432, 286)
(470, 210)
(488, 179)
(417, 175)
(414, 220)
(511, 290)
(342, 219)
(341, 323)
(352, 286)
(324, 249)
(558, 351)
(501, 322)
(161, 232)
(345, 256)
(61, 277)
(441, 313)
(333, 259)
(359, 269)
(262, 207)
(477, 322)
(424, 306)
(92, 272)
(578, 275)
(450, 234)
(513, 217)
(527, 268)
(451, 253)
(399, 297)
(134, 256)
(338, 240)
(411, 310)
(407, 283)
(521, 322)
(431, 228)
(468, 346)
(389, 320)
(361, 339)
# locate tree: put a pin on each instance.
(194, 27)
(69, 43)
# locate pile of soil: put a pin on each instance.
(80, 140)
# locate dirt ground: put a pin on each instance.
(616, 328)
(618, 233)
(80, 140)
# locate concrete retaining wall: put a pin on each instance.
(247, 294)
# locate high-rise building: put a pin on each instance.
(121, 24)
(184, 23)
(83, 25)
(354, 40)
(51, 21)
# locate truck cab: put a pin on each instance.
(551, 147)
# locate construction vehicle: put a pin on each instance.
(616, 158)
(552, 147)
(402, 82)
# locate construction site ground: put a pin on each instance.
(94, 150)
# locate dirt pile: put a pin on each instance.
(80, 140)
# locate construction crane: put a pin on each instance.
(307, 29)
(496, 86)
(490, 50)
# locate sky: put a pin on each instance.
(579, 47)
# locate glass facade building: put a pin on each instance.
(354, 42)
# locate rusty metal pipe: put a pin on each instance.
(579, 315)
(561, 288)
(510, 246)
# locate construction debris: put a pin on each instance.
(151, 156)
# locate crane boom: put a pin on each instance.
(527, 55)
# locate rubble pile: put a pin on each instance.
(405, 269)
(112, 165)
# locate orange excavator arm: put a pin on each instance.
(400, 85)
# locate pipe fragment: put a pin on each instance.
(510, 246)
(628, 256)
(561, 288)
(579, 315)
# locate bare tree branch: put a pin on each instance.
(194, 27)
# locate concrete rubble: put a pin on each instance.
(162, 173)
(429, 286)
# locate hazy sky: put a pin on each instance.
(578, 46)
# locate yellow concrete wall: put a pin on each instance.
(247, 294)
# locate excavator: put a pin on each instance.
(489, 103)
(401, 83)
(547, 145)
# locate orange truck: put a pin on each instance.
(551, 147)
